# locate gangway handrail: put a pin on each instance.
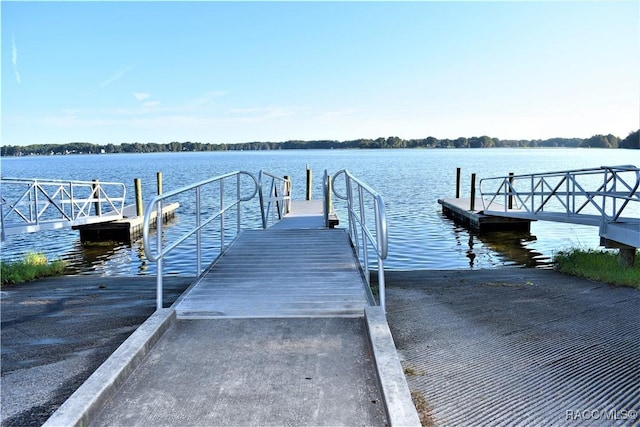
(619, 187)
(279, 193)
(327, 205)
(57, 203)
(160, 250)
(358, 219)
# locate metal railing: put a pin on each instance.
(363, 203)
(204, 215)
(597, 194)
(327, 205)
(30, 205)
(275, 202)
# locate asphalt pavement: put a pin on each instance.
(55, 332)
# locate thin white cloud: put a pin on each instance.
(141, 95)
(151, 104)
(14, 59)
(269, 112)
(117, 76)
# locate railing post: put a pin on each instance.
(379, 243)
(159, 249)
(33, 203)
(238, 210)
(198, 233)
(458, 183)
(309, 182)
(139, 206)
(222, 215)
(363, 232)
(96, 192)
(71, 201)
(328, 202)
(472, 200)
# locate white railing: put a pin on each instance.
(590, 196)
(327, 205)
(275, 197)
(30, 205)
(211, 200)
(364, 205)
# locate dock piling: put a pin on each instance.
(309, 182)
(159, 182)
(458, 180)
(472, 200)
(139, 206)
(287, 192)
(96, 192)
(510, 199)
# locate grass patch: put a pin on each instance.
(598, 265)
(31, 266)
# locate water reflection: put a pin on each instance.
(513, 247)
(410, 181)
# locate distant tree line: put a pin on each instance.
(596, 141)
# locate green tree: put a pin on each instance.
(631, 141)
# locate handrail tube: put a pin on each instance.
(198, 233)
(327, 196)
(281, 200)
(221, 213)
(46, 200)
(156, 205)
(357, 220)
(616, 191)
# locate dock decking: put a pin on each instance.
(121, 230)
(294, 269)
(460, 210)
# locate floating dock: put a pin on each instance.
(127, 229)
(473, 217)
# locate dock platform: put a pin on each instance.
(127, 229)
(460, 211)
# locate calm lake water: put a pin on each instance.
(410, 181)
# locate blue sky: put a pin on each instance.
(227, 72)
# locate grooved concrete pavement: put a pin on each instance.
(518, 347)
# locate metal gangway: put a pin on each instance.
(30, 205)
(226, 214)
(279, 292)
(606, 197)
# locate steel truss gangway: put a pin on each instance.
(606, 197)
(30, 205)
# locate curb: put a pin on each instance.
(395, 390)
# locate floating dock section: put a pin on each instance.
(472, 216)
(127, 229)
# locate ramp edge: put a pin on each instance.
(83, 405)
(394, 387)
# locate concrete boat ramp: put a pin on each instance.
(258, 341)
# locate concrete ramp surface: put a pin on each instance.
(253, 372)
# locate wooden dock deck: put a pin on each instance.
(460, 210)
(296, 268)
(126, 229)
